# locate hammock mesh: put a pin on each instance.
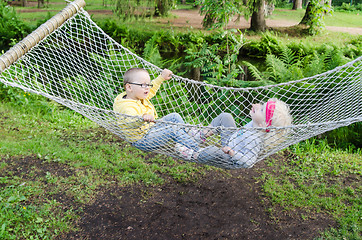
(78, 65)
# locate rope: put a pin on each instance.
(72, 61)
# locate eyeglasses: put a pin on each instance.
(143, 85)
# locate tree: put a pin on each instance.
(40, 3)
(257, 15)
(297, 4)
(218, 13)
(126, 9)
(314, 16)
(163, 7)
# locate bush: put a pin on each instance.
(12, 29)
(341, 2)
(346, 137)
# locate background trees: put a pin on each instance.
(218, 13)
(314, 15)
(126, 9)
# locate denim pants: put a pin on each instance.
(224, 120)
(162, 132)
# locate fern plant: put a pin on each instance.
(151, 52)
(218, 62)
(292, 65)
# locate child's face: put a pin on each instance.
(135, 91)
(258, 115)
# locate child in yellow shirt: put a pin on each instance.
(135, 101)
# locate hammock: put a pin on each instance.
(70, 60)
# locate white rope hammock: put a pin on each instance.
(69, 59)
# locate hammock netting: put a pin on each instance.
(75, 63)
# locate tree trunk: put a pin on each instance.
(196, 74)
(258, 17)
(297, 4)
(40, 3)
(307, 15)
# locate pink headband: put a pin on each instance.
(269, 112)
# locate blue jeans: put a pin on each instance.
(224, 120)
(162, 132)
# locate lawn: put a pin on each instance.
(63, 177)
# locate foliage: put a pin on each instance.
(218, 13)
(12, 29)
(18, 96)
(151, 52)
(139, 9)
(349, 138)
(349, 2)
(347, 7)
(289, 65)
(267, 44)
(172, 44)
(314, 16)
(270, 43)
(217, 68)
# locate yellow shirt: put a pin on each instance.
(133, 129)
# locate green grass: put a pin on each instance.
(286, 14)
(49, 10)
(68, 137)
(338, 19)
(318, 179)
(315, 178)
(20, 219)
(43, 131)
(343, 19)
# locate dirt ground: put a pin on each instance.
(218, 206)
(215, 207)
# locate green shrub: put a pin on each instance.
(349, 137)
(12, 29)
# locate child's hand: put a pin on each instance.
(228, 151)
(166, 74)
(148, 118)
